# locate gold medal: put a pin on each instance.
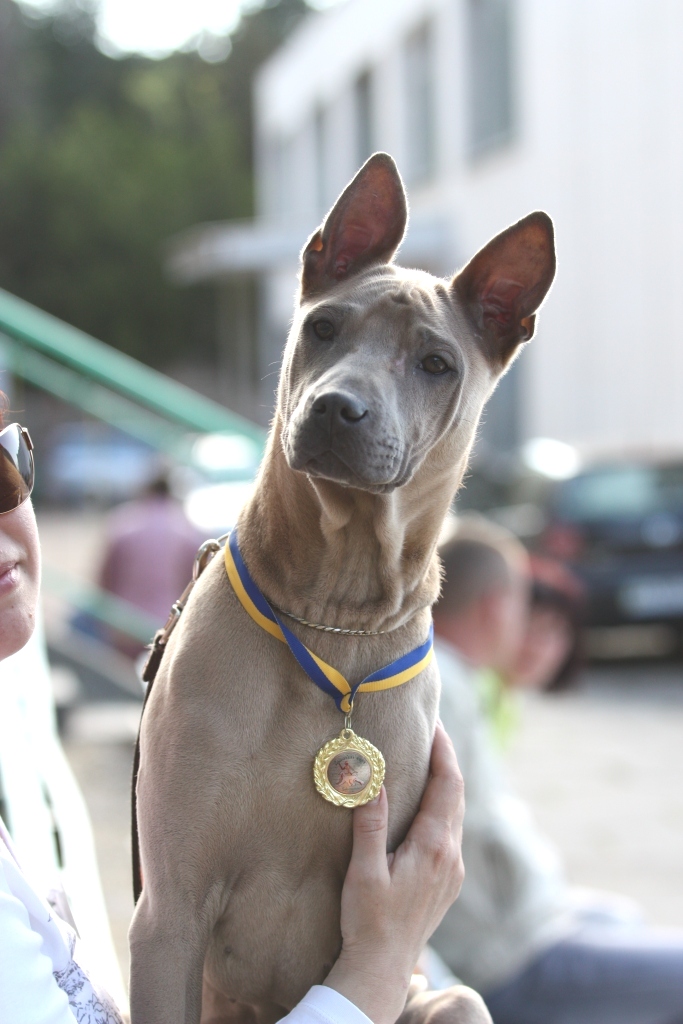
(348, 771)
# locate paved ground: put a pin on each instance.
(603, 772)
(602, 769)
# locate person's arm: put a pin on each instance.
(392, 903)
(324, 1005)
(29, 993)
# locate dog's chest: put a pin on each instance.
(276, 731)
(264, 719)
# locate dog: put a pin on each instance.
(384, 376)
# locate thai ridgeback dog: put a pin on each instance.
(384, 377)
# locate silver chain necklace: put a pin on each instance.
(317, 625)
(331, 629)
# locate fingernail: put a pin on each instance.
(373, 803)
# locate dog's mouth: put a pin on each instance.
(328, 465)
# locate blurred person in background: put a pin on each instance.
(149, 552)
(538, 951)
(546, 654)
(551, 652)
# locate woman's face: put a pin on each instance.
(19, 578)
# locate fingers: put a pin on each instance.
(370, 837)
(444, 795)
(443, 751)
(443, 803)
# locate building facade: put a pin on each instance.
(494, 108)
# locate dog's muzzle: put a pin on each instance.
(337, 435)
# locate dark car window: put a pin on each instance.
(617, 492)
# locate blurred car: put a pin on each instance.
(619, 524)
(615, 520)
(92, 462)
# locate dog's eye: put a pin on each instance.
(324, 329)
(434, 364)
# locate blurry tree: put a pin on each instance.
(102, 160)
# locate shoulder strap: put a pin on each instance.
(149, 674)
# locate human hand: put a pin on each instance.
(391, 903)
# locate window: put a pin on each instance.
(491, 110)
(419, 106)
(277, 198)
(322, 170)
(365, 141)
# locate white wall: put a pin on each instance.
(609, 366)
(599, 145)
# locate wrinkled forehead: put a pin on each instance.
(398, 303)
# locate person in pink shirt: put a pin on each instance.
(149, 552)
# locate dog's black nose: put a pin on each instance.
(339, 406)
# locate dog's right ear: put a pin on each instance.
(365, 226)
(506, 282)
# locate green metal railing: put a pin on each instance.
(105, 608)
(109, 385)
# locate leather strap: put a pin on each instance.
(149, 673)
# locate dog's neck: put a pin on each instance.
(342, 556)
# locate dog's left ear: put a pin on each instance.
(506, 282)
(365, 226)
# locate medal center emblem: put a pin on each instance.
(349, 772)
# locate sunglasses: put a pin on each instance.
(16, 467)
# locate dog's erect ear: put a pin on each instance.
(365, 226)
(506, 282)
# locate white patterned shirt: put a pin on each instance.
(43, 978)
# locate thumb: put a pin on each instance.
(369, 854)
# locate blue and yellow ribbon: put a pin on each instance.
(323, 675)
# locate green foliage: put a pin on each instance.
(103, 160)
